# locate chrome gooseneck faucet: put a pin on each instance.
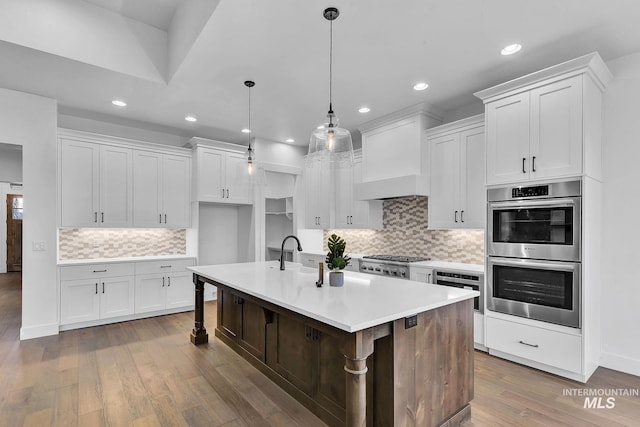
(282, 249)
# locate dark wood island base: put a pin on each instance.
(386, 375)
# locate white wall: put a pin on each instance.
(621, 283)
(10, 163)
(31, 121)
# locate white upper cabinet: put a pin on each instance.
(113, 182)
(349, 212)
(95, 185)
(547, 124)
(457, 195)
(161, 190)
(222, 175)
(318, 196)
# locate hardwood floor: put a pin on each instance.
(147, 373)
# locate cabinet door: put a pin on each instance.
(210, 175)
(176, 191)
(180, 290)
(79, 183)
(556, 129)
(116, 296)
(318, 189)
(253, 330)
(147, 189)
(116, 187)
(238, 183)
(472, 175)
(150, 293)
(444, 209)
(79, 301)
(508, 139)
(344, 197)
(424, 275)
(229, 313)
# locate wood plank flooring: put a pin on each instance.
(146, 373)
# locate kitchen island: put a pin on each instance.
(378, 351)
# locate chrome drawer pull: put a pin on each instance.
(165, 266)
(99, 271)
(530, 345)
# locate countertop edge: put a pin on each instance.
(87, 261)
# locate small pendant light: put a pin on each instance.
(251, 155)
(331, 143)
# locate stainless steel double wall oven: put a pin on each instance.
(534, 251)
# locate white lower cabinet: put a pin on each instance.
(91, 293)
(424, 275)
(553, 348)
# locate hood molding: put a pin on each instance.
(391, 188)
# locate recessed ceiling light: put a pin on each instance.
(364, 110)
(290, 140)
(511, 49)
(245, 130)
(119, 103)
(420, 86)
(191, 119)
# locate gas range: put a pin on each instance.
(389, 265)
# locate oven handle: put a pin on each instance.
(526, 263)
(556, 203)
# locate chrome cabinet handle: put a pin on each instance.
(530, 345)
(102, 213)
(533, 164)
(223, 193)
(95, 217)
(165, 218)
(165, 266)
(163, 282)
(160, 218)
(99, 271)
(227, 193)
(96, 289)
(168, 281)
(103, 287)
(455, 216)
(523, 160)
(461, 216)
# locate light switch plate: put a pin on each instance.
(38, 246)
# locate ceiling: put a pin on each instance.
(168, 58)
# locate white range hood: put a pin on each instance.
(395, 155)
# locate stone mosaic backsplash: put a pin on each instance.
(85, 243)
(405, 233)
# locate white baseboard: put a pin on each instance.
(27, 333)
(620, 363)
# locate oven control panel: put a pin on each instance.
(384, 269)
(540, 190)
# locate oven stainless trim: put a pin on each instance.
(479, 283)
(534, 250)
(571, 318)
(556, 189)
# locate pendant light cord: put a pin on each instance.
(249, 118)
(331, 72)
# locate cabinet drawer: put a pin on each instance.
(539, 345)
(164, 266)
(89, 271)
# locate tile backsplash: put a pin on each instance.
(405, 233)
(84, 243)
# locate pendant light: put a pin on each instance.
(251, 155)
(329, 142)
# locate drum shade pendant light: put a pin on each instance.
(251, 155)
(331, 143)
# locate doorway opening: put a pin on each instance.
(14, 232)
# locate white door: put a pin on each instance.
(79, 183)
(176, 191)
(444, 209)
(150, 293)
(472, 175)
(343, 197)
(508, 139)
(211, 175)
(147, 189)
(116, 187)
(237, 179)
(556, 129)
(79, 301)
(180, 290)
(116, 296)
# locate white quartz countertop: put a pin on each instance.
(121, 259)
(364, 301)
(445, 265)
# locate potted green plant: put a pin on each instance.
(336, 260)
